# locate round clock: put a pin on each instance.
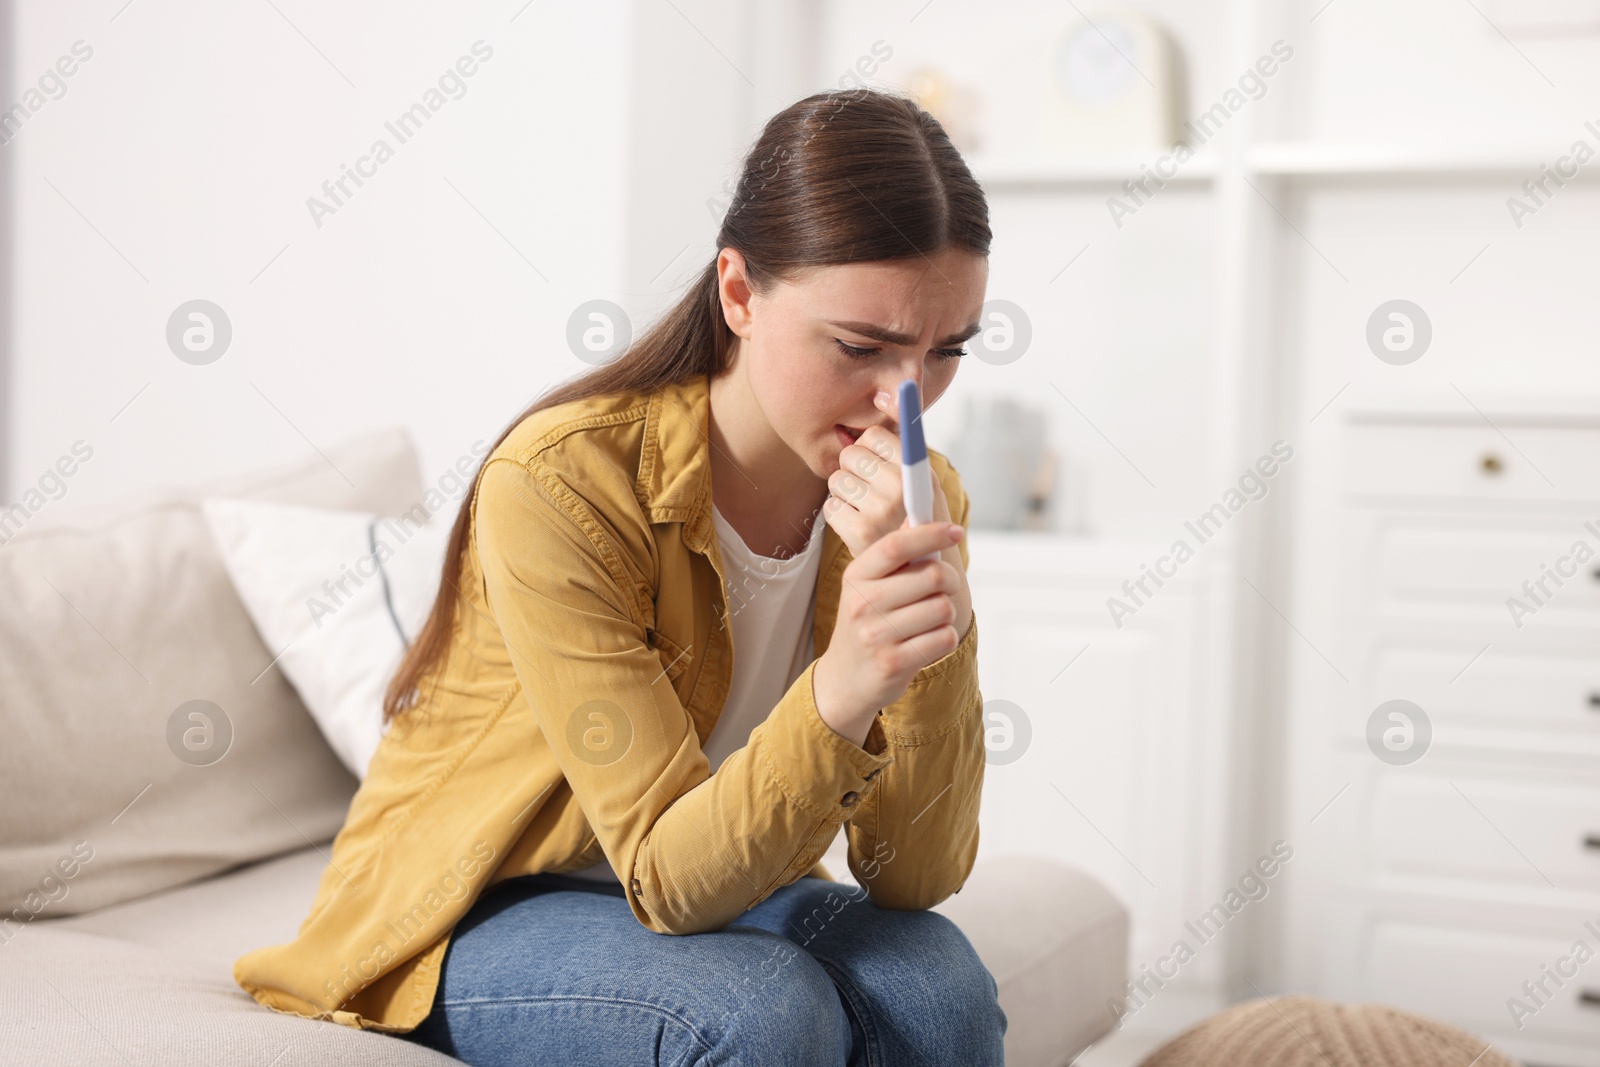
(1113, 73)
(1097, 64)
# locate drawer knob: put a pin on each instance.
(1594, 696)
(1590, 998)
(1491, 463)
(1591, 841)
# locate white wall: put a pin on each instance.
(178, 165)
(714, 72)
(1437, 70)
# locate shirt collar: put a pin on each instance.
(674, 483)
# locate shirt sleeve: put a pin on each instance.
(693, 850)
(914, 839)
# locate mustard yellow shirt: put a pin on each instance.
(590, 659)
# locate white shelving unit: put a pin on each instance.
(1230, 711)
(1382, 172)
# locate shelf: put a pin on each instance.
(1281, 159)
(1313, 159)
(1108, 170)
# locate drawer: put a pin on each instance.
(1511, 697)
(1472, 461)
(1503, 833)
(1551, 564)
(1467, 974)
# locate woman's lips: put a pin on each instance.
(845, 437)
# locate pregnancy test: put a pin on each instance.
(916, 475)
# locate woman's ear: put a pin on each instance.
(733, 289)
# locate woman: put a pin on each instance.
(573, 707)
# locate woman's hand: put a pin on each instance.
(866, 501)
(895, 618)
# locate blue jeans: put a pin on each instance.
(552, 971)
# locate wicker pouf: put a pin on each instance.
(1297, 1031)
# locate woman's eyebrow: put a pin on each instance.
(890, 337)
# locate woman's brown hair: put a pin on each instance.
(844, 176)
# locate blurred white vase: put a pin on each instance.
(998, 455)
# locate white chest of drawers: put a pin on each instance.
(1464, 884)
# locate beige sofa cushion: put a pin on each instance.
(1056, 942)
(74, 998)
(114, 621)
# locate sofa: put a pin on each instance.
(134, 872)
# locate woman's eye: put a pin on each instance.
(862, 353)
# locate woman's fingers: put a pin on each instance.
(899, 547)
(933, 612)
(878, 599)
(881, 442)
(849, 488)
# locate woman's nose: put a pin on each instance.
(893, 389)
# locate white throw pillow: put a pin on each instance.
(337, 596)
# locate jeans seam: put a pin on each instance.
(473, 1003)
(863, 1014)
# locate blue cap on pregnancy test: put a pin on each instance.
(913, 448)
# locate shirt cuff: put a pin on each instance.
(821, 771)
(935, 701)
(965, 649)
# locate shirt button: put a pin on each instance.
(638, 890)
(849, 798)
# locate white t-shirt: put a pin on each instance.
(772, 606)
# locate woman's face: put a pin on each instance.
(902, 319)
